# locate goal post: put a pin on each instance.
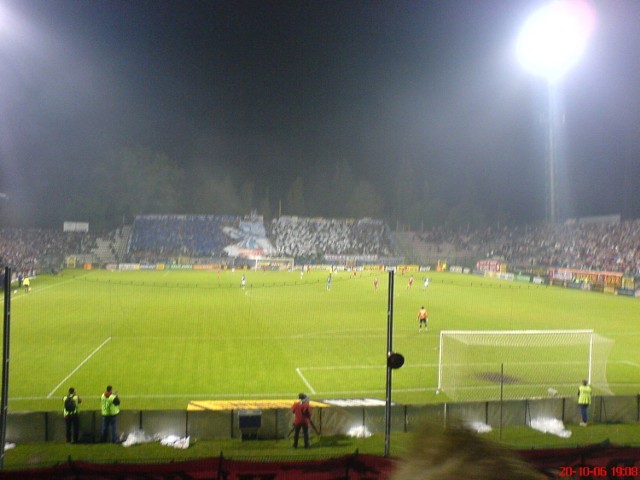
(268, 263)
(476, 365)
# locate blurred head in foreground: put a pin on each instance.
(458, 453)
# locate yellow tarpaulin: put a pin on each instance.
(200, 405)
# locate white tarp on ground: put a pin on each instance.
(175, 442)
(359, 432)
(479, 427)
(550, 425)
(138, 437)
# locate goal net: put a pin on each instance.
(267, 263)
(517, 364)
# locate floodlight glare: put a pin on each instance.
(550, 43)
(554, 37)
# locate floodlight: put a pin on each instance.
(550, 43)
(554, 37)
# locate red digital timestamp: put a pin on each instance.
(619, 471)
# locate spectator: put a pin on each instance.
(458, 453)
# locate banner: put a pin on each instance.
(75, 227)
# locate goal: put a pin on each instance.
(517, 364)
(267, 263)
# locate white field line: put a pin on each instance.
(430, 365)
(235, 396)
(78, 367)
(40, 289)
(279, 395)
(309, 387)
(627, 362)
(260, 338)
(361, 367)
(496, 386)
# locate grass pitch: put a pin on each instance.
(164, 338)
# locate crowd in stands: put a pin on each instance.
(589, 246)
(165, 236)
(315, 237)
(28, 251)
(604, 246)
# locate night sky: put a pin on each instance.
(272, 90)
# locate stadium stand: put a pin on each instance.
(602, 246)
(316, 237)
(589, 246)
(103, 251)
(112, 247)
(28, 251)
(164, 236)
(121, 241)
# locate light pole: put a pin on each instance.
(550, 43)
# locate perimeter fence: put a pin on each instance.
(31, 427)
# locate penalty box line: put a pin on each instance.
(348, 367)
(78, 367)
(306, 382)
(366, 367)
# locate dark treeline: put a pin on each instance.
(137, 180)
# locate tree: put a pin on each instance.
(201, 197)
(265, 208)
(226, 198)
(247, 192)
(405, 194)
(128, 182)
(465, 216)
(318, 189)
(295, 198)
(213, 194)
(340, 190)
(365, 201)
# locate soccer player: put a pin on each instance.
(423, 318)
(329, 282)
(410, 284)
(375, 283)
(426, 282)
(243, 282)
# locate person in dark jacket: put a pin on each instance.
(70, 404)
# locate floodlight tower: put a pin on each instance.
(550, 43)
